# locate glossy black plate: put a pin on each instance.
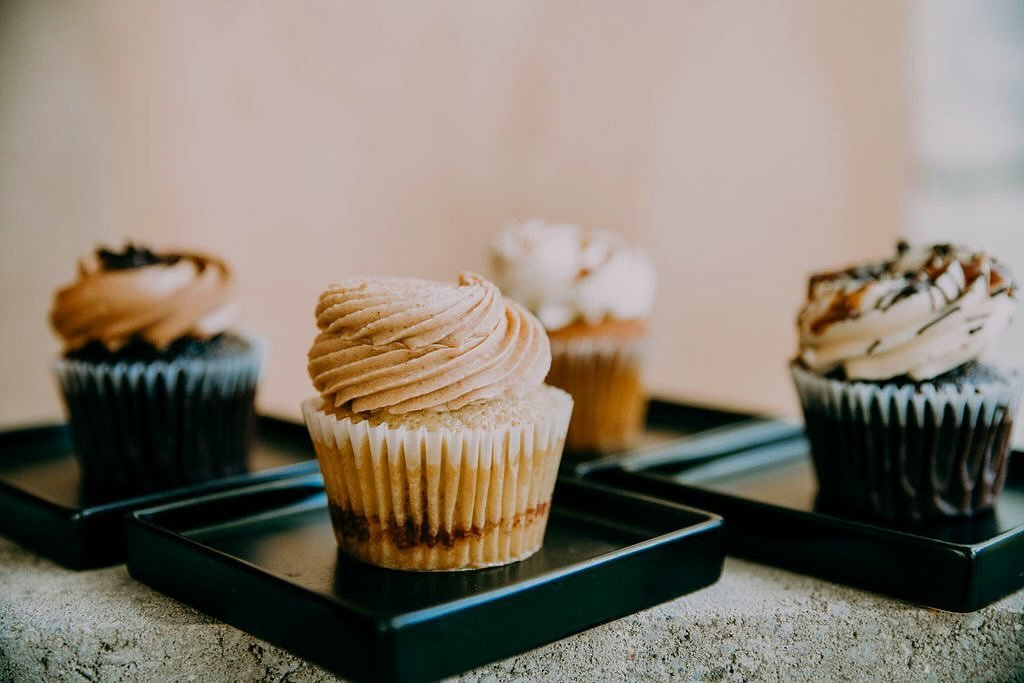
(677, 432)
(768, 496)
(43, 508)
(265, 560)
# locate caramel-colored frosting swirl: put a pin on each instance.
(397, 345)
(179, 295)
(920, 314)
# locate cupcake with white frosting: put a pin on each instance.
(905, 421)
(438, 440)
(594, 292)
(159, 390)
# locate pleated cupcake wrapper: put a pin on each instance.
(438, 499)
(604, 378)
(144, 426)
(908, 452)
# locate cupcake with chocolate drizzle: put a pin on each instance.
(593, 292)
(438, 440)
(905, 420)
(159, 393)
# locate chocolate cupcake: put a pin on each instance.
(594, 293)
(158, 392)
(905, 421)
(438, 441)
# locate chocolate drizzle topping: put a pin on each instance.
(919, 314)
(939, 319)
(905, 293)
(846, 305)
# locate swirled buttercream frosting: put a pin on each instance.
(925, 312)
(397, 345)
(568, 274)
(135, 294)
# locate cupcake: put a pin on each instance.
(158, 393)
(437, 438)
(905, 421)
(593, 292)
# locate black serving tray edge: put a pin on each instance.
(43, 525)
(975, 575)
(411, 633)
(704, 446)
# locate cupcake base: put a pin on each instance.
(602, 372)
(412, 547)
(908, 452)
(143, 426)
(444, 496)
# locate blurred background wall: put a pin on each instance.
(968, 135)
(744, 144)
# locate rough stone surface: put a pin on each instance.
(756, 624)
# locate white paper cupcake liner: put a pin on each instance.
(909, 452)
(438, 499)
(140, 426)
(604, 377)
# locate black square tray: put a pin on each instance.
(42, 508)
(675, 432)
(265, 560)
(768, 496)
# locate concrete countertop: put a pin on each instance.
(757, 623)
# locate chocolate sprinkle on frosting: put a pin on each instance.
(132, 256)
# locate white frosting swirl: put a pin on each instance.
(565, 273)
(924, 313)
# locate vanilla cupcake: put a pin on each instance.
(437, 438)
(594, 293)
(905, 422)
(159, 393)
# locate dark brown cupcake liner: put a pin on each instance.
(910, 452)
(145, 426)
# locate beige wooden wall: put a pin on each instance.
(743, 143)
